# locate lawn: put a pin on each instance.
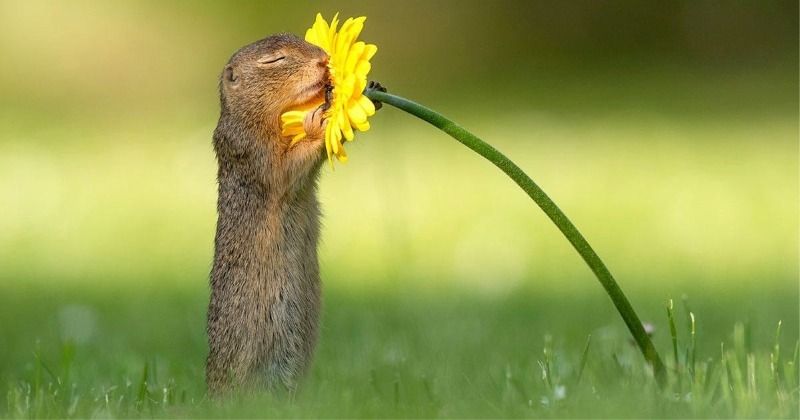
(446, 292)
(139, 351)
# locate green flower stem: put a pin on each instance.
(550, 209)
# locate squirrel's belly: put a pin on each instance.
(291, 333)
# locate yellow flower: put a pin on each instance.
(349, 65)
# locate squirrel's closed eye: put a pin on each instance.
(271, 59)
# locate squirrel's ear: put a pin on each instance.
(229, 75)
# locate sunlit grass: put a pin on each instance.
(447, 293)
(139, 352)
(713, 200)
(442, 281)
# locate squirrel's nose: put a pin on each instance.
(323, 62)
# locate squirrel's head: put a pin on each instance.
(266, 78)
(260, 82)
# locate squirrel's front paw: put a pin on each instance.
(315, 122)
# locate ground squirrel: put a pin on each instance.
(265, 287)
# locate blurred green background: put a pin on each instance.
(667, 131)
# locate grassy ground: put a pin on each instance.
(140, 353)
(446, 293)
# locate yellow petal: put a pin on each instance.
(335, 133)
(367, 105)
(297, 138)
(291, 131)
(331, 37)
(350, 31)
(342, 156)
(358, 88)
(320, 35)
(343, 36)
(344, 125)
(347, 86)
(353, 55)
(369, 51)
(362, 68)
(293, 116)
(357, 114)
(328, 130)
(364, 126)
(311, 36)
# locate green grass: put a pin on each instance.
(139, 352)
(447, 293)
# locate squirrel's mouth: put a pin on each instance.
(315, 94)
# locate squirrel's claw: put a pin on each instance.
(314, 124)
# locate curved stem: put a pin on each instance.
(550, 209)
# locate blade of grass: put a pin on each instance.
(739, 346)
(673, 332)
(686, 310)
(143, 392)
(692, 346)
(397, 391)
(584, 359)
(514, 384)
(775, 367)
(727, 380)
(547, 373)
(752, 391)
(67, 358)
(44, 366)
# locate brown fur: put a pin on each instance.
(265, 288)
